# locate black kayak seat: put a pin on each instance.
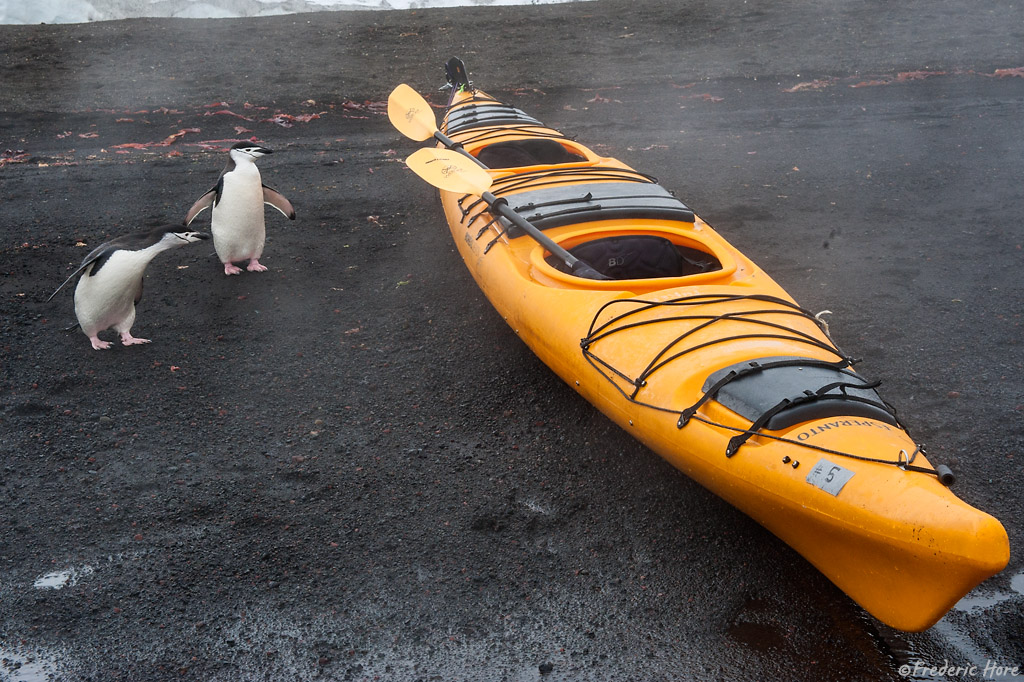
(639, 256)
(815, 388)
(567, 204)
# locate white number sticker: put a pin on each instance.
(829, 477)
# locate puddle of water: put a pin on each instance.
(61, 579)
(976, 601)
(960, 641)
(970, 645)
(17, 666)
(754, 627)
(535, 507)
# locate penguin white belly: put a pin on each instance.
(107, 299)
(238, 223)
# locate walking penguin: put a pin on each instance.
(238, 224)
(111, 281)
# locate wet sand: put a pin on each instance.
(349, 467)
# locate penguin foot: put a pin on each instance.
(256, 266)
(231, 269)
(129, 340)
(99, 344)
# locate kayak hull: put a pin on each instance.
(840, 480)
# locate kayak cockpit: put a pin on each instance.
(533, 152)
(639, 256)
(635, 255)
(618, 221)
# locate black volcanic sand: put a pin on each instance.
(349, 467)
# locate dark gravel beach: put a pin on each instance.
(350, 468)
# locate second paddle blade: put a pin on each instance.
(449, 171)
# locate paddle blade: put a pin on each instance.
(411, 114)
(449, 171)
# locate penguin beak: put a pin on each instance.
(189, 237)
(263, 150)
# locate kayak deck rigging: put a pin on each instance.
(833, 391)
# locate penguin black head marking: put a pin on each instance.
(250, 149)
(189, 237)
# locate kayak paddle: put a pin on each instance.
(411, 115)
(450, 172)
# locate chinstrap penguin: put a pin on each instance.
(238, 223)
(111, 282)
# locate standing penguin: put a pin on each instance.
(111, 282)
(238, 224)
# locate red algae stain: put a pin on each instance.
(817, 84)
(1009, 73)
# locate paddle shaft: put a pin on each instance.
(456, 147)
(577, 266)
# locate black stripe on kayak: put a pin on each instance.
(547, 177)
(487, 133)
(482, 115)
(571, 175)
(573, 203)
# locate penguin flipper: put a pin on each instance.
(204, 202)
(94, 255)
(277, 200)
(70, 277)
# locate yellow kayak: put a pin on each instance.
(670, 331)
